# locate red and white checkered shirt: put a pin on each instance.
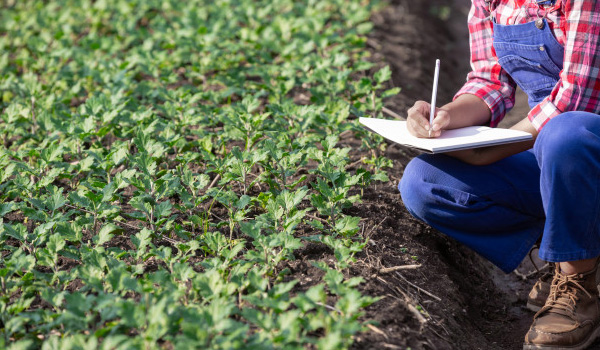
(575, 24)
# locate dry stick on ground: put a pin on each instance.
(526, 276)
(374, 44)
(417, 287)
(438, 334)
(355, 163)
(344, 133)
(366, 250)
(411, 307)
(214, 181)
(377, 330)
(394, 178)
(376, 226)
(408, 301)
(217, 216)
(317, 218)
(416, 313)
(330, 307)
(33, 121)
(398, 268)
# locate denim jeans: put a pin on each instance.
(500, 210)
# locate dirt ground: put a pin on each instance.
(455, 299)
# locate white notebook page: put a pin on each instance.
(450, 140)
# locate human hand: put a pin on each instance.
(418, 120)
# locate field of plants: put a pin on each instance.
(162, 160)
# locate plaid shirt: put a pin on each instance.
(575, 24)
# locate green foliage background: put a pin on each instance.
(160, 160)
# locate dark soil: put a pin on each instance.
(455, 299)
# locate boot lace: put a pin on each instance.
(563, 292)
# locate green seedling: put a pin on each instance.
(160, 162)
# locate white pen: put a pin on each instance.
(436, 75)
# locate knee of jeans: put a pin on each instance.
(564, 136)
(412, 189)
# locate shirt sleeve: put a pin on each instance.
(487, 80)
(578, 88)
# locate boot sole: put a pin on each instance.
(589, 341)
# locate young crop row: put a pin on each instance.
(161, 160)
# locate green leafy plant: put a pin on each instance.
(161, 164)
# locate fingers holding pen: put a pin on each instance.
(423, 113)
(418, 119)
(440, 122)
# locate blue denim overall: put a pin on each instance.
(552, 190)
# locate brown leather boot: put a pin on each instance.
(539, 293)
(570, 319)
(541, 289)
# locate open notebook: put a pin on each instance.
(450, 140)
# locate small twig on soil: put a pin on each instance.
(119, 169)
(330, 307)
(526, 276)
(409, 304)
(417, 287)
(416, 313)
(396, 290)
(353, 164)
(439, 335)
(217, 216)
(127, 225)
(376, 226)
(374, 44)
(394, 178)
(392, 113)
(398, 268)
(377, 330)
(170, 240)
(344, 133)
(214, 181)
(33, 121)
(381, 279)
(317, 218)
(83, 210)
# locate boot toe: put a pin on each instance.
(574, 336)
